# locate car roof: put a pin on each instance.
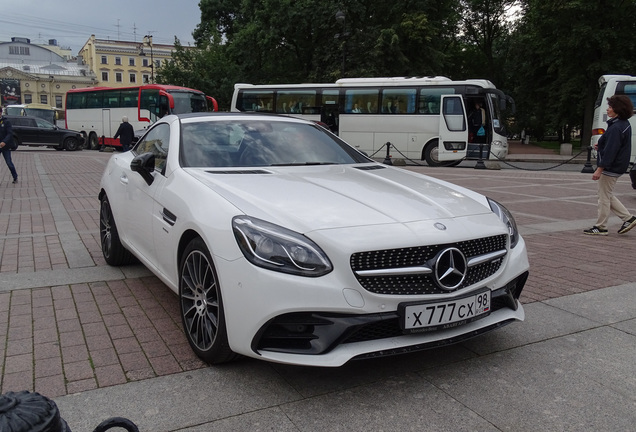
(229, 115)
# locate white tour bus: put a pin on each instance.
(611, 85)
(371, 112)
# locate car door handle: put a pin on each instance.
(124, 179)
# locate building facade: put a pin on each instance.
(122, 63)
(31, 73)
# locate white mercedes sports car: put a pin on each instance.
(286, 244)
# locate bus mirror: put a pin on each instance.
(511, 101)
(212, 103)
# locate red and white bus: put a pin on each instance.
(96, 112)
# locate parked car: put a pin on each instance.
(34, 131)
(286, 244)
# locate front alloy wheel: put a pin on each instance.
(201, 305)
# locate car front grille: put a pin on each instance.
(418, 283)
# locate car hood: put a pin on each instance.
(311, 198)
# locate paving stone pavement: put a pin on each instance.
(70, 324)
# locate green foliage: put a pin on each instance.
(560, 50)
(549, 59)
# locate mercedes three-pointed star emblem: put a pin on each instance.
(450, 269)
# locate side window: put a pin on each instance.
(629, 89)
(156, 141)
(398, 101)
(430, 99)
(361, 101)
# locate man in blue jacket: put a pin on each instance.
(6, 143)
(614, 153)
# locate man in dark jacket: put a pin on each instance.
(6, 143)
(125, 133)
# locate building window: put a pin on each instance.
(19, 50)
(145, 62)
(118, 77)
(44, 99)
(118, 60)
(146, 78)
(104, 60)
(58, 101)
(104, 76)
(133, 78)
(28, 98)
(131, 61)
(157, 63)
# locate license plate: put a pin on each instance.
(438, 315)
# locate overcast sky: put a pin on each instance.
(71, 22)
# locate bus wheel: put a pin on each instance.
(92, 141)
(85, 143)
(431, 154)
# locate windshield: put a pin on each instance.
(251, 143)
(188, 102)
(497, 122)
(48, 115)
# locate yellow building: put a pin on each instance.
(124, 64)
(31, 73)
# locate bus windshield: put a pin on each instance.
(188, 102)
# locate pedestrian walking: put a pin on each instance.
(125, 133)
(6, 145)
(613, 155)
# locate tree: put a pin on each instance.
(560, 50)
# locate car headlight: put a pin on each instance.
(506, 217)
(279, 249)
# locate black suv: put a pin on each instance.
(34, 131)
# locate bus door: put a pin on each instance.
(106, 126)
(453, 129)
(329, 115)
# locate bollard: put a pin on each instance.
(588, 168)
(480, 163)
(31, 412)
(387, 159)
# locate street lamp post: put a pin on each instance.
(341, 18)
(148, 41)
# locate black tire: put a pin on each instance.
(431, 152)
(85, 143)
(71, 144)
(114, 252)
(93, 142)
(201, 305)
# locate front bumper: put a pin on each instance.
(319, 334)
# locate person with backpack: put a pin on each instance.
(7, 144)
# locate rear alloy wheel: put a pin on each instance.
(114, 252)
(201, 305)
(71, 144)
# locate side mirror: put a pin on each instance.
(144, 164)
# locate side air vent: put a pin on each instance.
(370, 167)
(239, 172)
